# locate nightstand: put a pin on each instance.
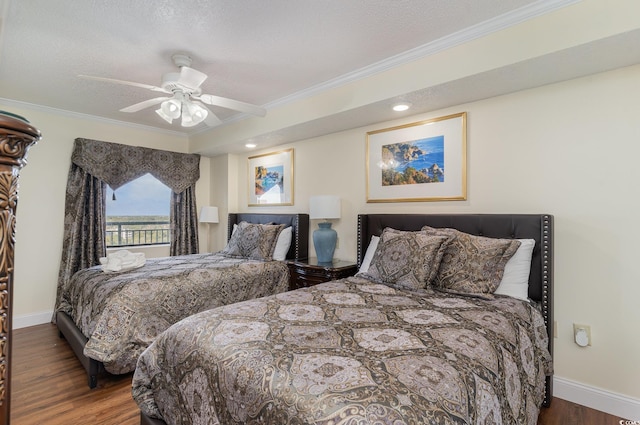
(304, 273)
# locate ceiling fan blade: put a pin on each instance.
(127, 83)
(144, 104)
(211, 120)
(191, 78)
(236, 105)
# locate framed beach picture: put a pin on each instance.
(271, 179)
(421, 161)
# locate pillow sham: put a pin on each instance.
(406, 259)
(368, 255)
(282, 244)
(253, 241)
(515, 280)
(472, 265)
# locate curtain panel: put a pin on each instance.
(84, 228)
(184, 222)
(96, 164)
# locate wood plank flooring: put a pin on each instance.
(49, 387)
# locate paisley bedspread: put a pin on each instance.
(350, 352)
(122, 313)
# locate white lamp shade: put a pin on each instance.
(324, 207)
(171, 108)
(209, 215)
(164, 116)
(193, 114)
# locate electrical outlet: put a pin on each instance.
(582, 335)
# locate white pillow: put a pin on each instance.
(368, 256)
(235, 227)
(515, 280)
(282, 244)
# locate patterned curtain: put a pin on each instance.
(84, 227)
(118, 164)
(184, 222)
(96, 164)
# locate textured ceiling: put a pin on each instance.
(256, 51)
(266, 52)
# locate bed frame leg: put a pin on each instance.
(69, 331)
(93, 381)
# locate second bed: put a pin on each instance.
(110, 318)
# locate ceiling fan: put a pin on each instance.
(187, 100)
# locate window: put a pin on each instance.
(140, 213)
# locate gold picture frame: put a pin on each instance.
(271, 179)
(420, 161)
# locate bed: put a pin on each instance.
(357, 351)
(110, 318)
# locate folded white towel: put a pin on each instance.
(122, 260)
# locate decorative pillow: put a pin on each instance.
(406, 259)
(472, 265)
(368, 255)
(253, 241)
(282, 244)
(515, 280)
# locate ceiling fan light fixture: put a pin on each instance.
(187, 101)
(198, 113)
(171, 108)
(192, 114)
(164, 116)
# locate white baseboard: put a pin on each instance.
(32, 319)
(605, 401)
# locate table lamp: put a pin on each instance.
(209, 215)
(324, 238)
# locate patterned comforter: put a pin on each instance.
(122, 313)
(350, 352)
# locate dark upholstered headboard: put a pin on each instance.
(299, 248)
(517, 226)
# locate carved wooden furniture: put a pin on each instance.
(16, 137)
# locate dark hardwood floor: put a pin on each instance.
(49, 387)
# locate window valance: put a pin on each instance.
(118, 164)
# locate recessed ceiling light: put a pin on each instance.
(399, 107)
(251, 145)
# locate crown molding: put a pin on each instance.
(474, 32)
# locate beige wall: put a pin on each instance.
(40, 213)
(568, 149)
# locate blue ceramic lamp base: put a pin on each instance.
(324, 241)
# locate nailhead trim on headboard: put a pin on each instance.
(547, 282)
(297, 244)
(359, 254)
